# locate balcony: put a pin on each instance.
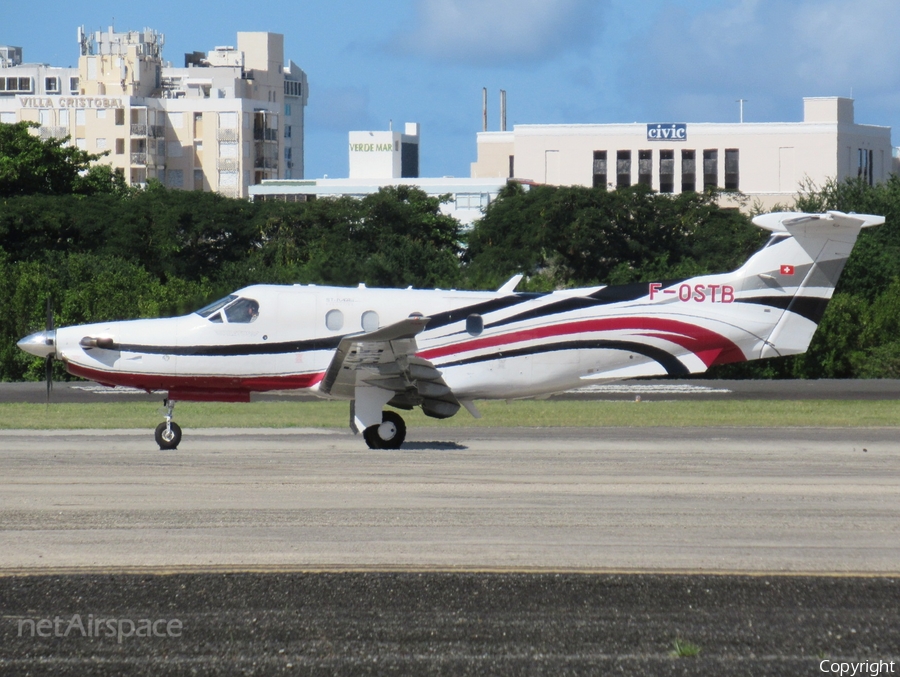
(228, 134)
(228, 164)
(139, 130)
(139, 158)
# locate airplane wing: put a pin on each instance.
(386, 359)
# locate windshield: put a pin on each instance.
(237, 310)
(206, 311)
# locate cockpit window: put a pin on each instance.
(217, 305)
(242, 311)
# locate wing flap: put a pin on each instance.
(386, 359)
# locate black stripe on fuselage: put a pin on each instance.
(615, 294)
(243, 349)
(810, 307)
(669, 362)
(439, 320)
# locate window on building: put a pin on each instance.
(688, 171)
(23, 85)
(732, 169)
(45, 117)
(175, 178)
(81, 144)
(512, 166)
(198, 179)
(623, 168)
(7, 118)
(865, 169)
(599, 170)
(710, 168)
(101, 144)
(120, 146)
(73, 85)
(645, 167)
(667, 171)
(292, 88)
(287, 131)
(80, 116)
(287, 110)
(120, 116)
(51, 85)
(472, 200)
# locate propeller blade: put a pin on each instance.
(48, 373)
(49, 314)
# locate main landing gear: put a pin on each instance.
(389, 434)
(168, 434)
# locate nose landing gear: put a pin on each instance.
(168, 433)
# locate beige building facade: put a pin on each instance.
(767, 162)
(228, 119)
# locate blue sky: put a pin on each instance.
(560, 61)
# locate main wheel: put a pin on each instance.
(168, 438)
(389, 434)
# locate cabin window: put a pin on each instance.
(242, 311)
(334, 320)
(369, 320)
(474, 324)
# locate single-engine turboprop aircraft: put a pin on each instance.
(440, 350)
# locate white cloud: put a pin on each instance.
(491, 32)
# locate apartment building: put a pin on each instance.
(230, 118)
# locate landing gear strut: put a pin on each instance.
(389, 434)
(168, 434)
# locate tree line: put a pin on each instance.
(103, 251)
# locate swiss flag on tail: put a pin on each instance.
(787, 269)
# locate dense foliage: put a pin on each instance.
(102, 251)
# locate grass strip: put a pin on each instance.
(524, 413)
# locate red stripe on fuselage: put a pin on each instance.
(205, 388)
(709, 346)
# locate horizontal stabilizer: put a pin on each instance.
(784, 222)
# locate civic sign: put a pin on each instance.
(667, 131)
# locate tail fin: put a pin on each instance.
(797, 272)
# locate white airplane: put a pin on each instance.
(440, 350)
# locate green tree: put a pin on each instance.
(30, 165)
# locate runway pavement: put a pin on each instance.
(751, 500)
(469, 552)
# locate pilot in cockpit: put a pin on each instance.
(243, 311)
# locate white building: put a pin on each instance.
(768, 162)
(387, 154)
(230, 118)
(389, 158)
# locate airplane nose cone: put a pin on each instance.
(41, 344)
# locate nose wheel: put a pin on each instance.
(168, 433)
(389, 434)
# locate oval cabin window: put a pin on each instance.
(334, 320)
(369, 320)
